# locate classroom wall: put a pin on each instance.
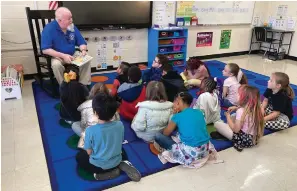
(271, 10)
(14, 27)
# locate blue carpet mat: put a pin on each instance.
(61, 159)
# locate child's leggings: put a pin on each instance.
(224, 129)
(281, 122)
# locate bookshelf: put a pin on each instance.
(171, 42)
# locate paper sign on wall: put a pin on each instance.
(204, 39)
(291, 23)
(256, 21)
(117, 58)
(164, 13)
(282, 10)
(101, 56)
(225, 39)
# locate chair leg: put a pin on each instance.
(251, 47)
(269, 48)
(52, 79)
(39, 73)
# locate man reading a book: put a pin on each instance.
(59, 39)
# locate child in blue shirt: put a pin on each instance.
(103, 154)
(191, 147)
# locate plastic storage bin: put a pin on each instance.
(165, 42)
(163, 34)
(178, 56)
(176, 48)
(178, 41)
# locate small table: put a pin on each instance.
(273, 33)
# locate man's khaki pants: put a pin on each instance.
(84, 72)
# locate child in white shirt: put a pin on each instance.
(208, 101)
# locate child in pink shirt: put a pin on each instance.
(230, 87)
(194, 73)
(247, 126)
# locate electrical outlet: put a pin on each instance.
(121, 38)
(129, 37)
(104, 38)
(96, 39)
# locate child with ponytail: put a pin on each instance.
(235, 78)
(277, 104)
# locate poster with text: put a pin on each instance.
(101, 56)
(117, 58)
(204, 39)
(225, 39)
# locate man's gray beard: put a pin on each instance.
(71, 27)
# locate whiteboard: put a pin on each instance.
(164, 12)
(217, 12)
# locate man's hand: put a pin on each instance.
(83, 52)
(67, 58)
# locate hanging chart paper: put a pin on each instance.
(117, 58)
(164, 13)
(101, 56)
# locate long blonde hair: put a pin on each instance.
(98, 88)
(249, 99)
(283, 79)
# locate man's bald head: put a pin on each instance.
(62, 12)
(63, 17)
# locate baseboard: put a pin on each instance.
(291, 57)
(225, 55)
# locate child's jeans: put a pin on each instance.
(83, 161)
(164, 141)
(226, 103)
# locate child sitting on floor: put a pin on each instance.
(172, 81)
(247, 126)
(131, 93)
(155, 72)
(103, 154)
(153, 114)
(191, 147)
(235, 78)
(122, 77)
(208, 101)
(277, 104)
(72, 94)
(87, 115)
(195, 71)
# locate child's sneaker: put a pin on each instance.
(130, 170)
(108, 175)
(69, 122)
(218, 136)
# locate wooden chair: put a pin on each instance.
(42, 61)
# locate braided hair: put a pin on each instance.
(208, 85)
